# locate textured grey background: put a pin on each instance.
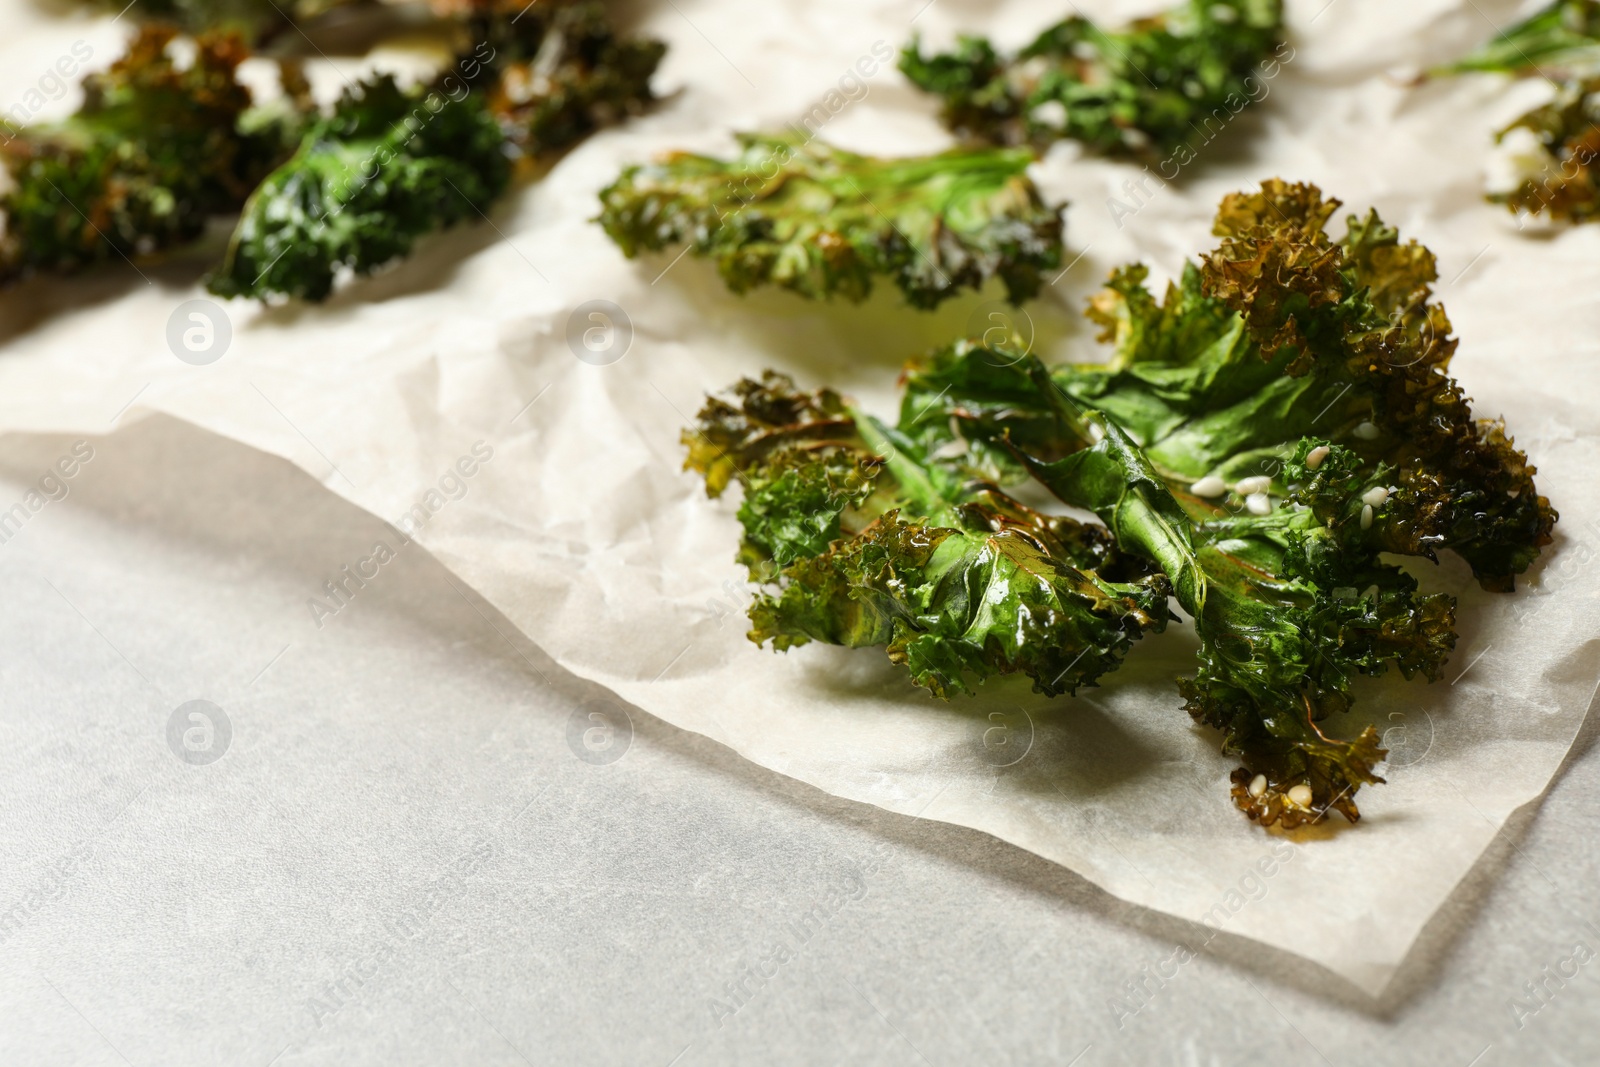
(400, 857)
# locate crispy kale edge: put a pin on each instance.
(1359, 312)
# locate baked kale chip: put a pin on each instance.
(1290, 602)
(1561, 39)
(1131, 91)
(821, 221)
(390, 165)
(1284, 332)
(1548, 160)
(862, 540)
(563, 71)
(1260, 438)
(387, 166)
(154, 151)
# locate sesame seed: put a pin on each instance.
(1367, 431)
(1209, 486)
(1375, 497)
(1315, 457)
(1258, 785)
(1300, 796)
(1258, 484)
(1259, 504)
(1366, 516)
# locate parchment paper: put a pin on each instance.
(584, 532)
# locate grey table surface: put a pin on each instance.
(396, 838)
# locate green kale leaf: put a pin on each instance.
(1558, 40)
(1549, 159)
(1355, 321)
(390, 165)
(1123, 92)
(1559, 148)
(1260, 439)
(1290, 603)
(153, 153)
(563, 71)
(821, 221)
(387, 166)
(1283, 333)
(1289, 610)
(860, 540)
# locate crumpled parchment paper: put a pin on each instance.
(581, 528)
